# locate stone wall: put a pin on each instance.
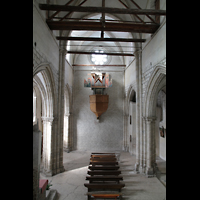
(107, 134)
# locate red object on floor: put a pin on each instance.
(43, 184)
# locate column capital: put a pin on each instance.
(47, 119)
(138, 52)
(62, 50)
(150, 119)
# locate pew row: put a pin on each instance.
(103, 153)
(103, 163)
(104, 159)
(104, 172)
(103, 167)
(102, 156)
(106, 194)
(104, 186)
(104, 178)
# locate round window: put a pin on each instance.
(99, 59)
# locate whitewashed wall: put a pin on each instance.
(107, 134)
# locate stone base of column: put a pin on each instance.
(47, 173)
(142, 169)
(150, 172)
(137, 168)
(66, 149)
(60, 170)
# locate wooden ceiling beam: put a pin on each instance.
(97, 26)
(54, 14)
(140, 9)
(111, 54)
(68, 14)
(134, 14)
(103, 18)
(101, 39)
(54, 7)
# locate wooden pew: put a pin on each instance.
(103, 167)
(104, 186)
(102, 156)
(104, 172)
(103, 159)
(107, 196)
(105, 178)
(104, 194)
(103, 163)
(104, 153)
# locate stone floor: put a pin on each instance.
(70, 184)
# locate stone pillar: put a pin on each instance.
(66, 132)
(138, 109)
(150, 124)
(70, 133)
(61, 110)
(37, 137)
(154, 164)
(47, 145)
(67, 143)
(144, 147)
(141, 109)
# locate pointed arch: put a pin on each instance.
(44, 81)
(156, 81)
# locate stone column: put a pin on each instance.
(66, 132)
(144, 147)
(37, 136)
(67, 144)
(153, 145)
(141, 109)
(138, 109)
(47, 145)
(150, 123)
(70, 133)
(61, 84)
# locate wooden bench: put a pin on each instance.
(104, 172)
(104, 178)
(104, 194)
(103, 163)
(103, 159)
(104, 153)
(103, 156)
(104, 186)
(104, 167)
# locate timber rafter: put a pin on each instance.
(97, 26)
(53, 7)
(67, 23)
(101, 39)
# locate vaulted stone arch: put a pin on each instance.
(156, 82)
(43, 80)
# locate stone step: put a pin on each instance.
(51, 194)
